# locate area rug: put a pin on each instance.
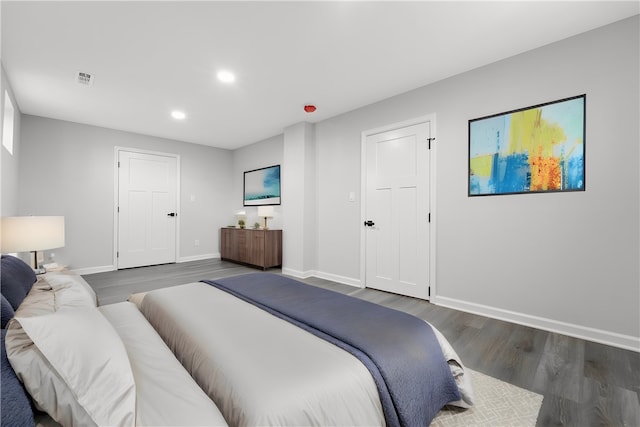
(497, 404)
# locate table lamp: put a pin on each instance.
(265, 212)
(31, 234)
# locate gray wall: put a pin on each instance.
(571, 258)
(68, 169)
(255, 156)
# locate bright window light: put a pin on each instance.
(7, 124)
(226, 76)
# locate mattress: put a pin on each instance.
(257, 368)
(262, 370)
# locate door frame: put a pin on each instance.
(116, 195)
(431, 118)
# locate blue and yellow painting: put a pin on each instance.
(538, 149)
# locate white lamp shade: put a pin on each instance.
(31, 233)
(265, 211)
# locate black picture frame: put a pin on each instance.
(262, 187)
(537, 149)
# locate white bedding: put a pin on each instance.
(262, 370)
(257, 368)
(84, 365)
(165, 393)
(74, 366)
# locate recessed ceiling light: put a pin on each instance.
(226, 76)
(179, 115)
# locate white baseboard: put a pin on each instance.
(198, 257)
(321, 275)
(614, 339)
(93, 270)
(105, 268)
(340, 279)
(297, 273)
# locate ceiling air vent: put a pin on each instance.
(85, 79)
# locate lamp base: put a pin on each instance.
(35, 262)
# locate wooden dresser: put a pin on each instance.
(260, 248)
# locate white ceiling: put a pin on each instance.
(152, 57)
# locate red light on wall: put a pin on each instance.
(309, 108)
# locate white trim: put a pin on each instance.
(339, 279)
(615, 339)
(93, 270)
(116, 175)
(431, 119)
(105, 268)
(322, 275)
(363, 208)
(432, 207)
(199, 257)
(116, 193)
(297, 273)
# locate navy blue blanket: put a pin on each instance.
(401, 351)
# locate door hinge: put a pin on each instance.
(430, 139)
(429, 291)
(118, 163)
(118, 254)
(429, 216)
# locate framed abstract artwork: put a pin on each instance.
(262, 186)
(537, 149)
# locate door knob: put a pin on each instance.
(369, 223)
(171, 214)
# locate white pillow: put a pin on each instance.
(56, 291)
(75, 367)
(39, 301)
(71, 290)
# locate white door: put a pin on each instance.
(397, 211)
(147, 209)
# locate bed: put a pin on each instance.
(198, 354)
(249, 344)
(67, 362)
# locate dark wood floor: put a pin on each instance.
(583, 383)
